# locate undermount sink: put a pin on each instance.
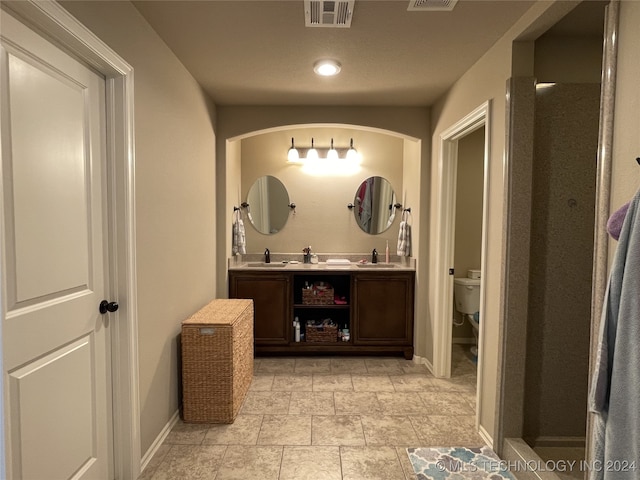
(377, 265)
(266, 265)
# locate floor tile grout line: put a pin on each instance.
(404, 474)
(281, 460)
(260, 429)
(226, 449)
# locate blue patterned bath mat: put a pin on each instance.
(457, 463)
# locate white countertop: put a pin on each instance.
(279, 266)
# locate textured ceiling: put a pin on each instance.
(260, 52)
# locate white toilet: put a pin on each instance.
(467, 299)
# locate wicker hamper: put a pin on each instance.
(217, 361)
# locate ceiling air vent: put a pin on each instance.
(328, 13)
(432, 5)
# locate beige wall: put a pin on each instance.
(175, 197)
(415, 175)
(468, 228)
(322, 218)
(566, 59)
(486, 80)
(410, 123)
(625, 179)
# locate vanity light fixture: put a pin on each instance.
(293, 155)
(304, 154)
(327, 68)
(323, 161)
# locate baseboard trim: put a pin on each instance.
(485, 436)
(162, 436)
(423, 361)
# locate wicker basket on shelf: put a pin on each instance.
(318, 294)
(321, 333)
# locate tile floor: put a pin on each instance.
(328, 418)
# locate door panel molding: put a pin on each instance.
(53, 21)
(73, 402)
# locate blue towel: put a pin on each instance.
(615, 387)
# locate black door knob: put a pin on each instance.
(108, 306)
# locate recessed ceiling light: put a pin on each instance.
(326, 68)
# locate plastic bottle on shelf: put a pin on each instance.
(386, 253)
(345, 334)
(296, 326)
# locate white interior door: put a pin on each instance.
(56, 360)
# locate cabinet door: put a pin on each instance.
(383, 309)
(271, 301)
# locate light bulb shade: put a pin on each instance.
(332, 154)
(352, 153)
(293, 155)
(312, 153)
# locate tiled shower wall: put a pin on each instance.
(563, 203)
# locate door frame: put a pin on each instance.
(50, 19)
(445, 238)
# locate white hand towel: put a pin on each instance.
(402, 238)
(238, 240)
(407, 240)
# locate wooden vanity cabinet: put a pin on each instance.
(383, 310)
(378, 310)
(271, 294)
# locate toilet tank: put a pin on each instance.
(467, 294)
